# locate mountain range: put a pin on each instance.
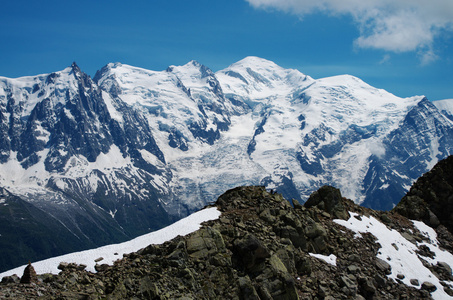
(89, 161)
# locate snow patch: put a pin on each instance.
(111, 107)
(113, 213)
(151, 158)
(401, 254)
(330, 259)
(113, 252)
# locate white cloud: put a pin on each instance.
(427, 57)
(385, 59)
(391, 25)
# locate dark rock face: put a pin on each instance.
(257, 249)
(431, 198)
(70, 124)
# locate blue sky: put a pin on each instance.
(405, 48)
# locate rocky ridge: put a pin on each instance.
(431, 197)
(259, 248)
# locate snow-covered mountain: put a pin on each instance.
(106, 159)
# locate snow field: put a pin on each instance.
(111, 253)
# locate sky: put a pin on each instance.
(402, 46)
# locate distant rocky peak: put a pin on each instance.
(75, 68)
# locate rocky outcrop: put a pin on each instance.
(328, 199)
(431, 198)
(261, 247)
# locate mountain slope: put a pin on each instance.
(336, 130)
(63, 153)
(133, 150)
(257, 246)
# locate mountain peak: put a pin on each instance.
(260, 77)
(255, 63)
(194, 63)
(75, 68)
(191, 71)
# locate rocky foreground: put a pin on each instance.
(258, 249)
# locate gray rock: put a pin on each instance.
(433, 220)
(319, 244)
(101, 268)
(367, 287)
(205, 242)
(62, 266)
(351, 286)
(428, 286)
(415, 282)
(297, 238)
(446, 267)
(248, 291)
(267, 216)
(11, 279)
(448, 290)
(409, 237)
(297, 204)
(303, 265)
(353, 269)
(314, 230)
(250, 250)
(354, 258)
(148, 288)
(383, 266)
(380, 281)
(385, 218)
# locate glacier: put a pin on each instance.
(131, 150)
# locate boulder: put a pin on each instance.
(328, 199)
(383, 266)
(428, 286)
(250, 250)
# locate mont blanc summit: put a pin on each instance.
(106, 159)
